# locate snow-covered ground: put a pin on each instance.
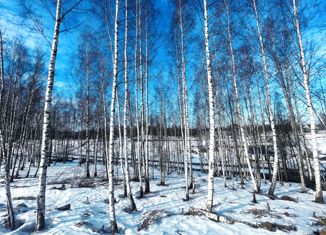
(89, 207)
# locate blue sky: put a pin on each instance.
(11, 22)
(13, 26)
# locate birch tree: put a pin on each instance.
(269, 103)
(147, 182)
(45, 151)
(113, 222)
(319, 193)
(125, 149)
(282, 64)
(141, 86)
(87, 67)
(237, 101)
(3, 150)
(45, 147)
(211, 115)
(187, 157)
(138, 149)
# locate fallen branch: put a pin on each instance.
(25, 198)
(64, 208)
(211, 216)
(226, 219)
(271, 226)
(287, 198)
(150, 218)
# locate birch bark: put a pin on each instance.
(187, 157)
(235, 88)
(3, 151)
(45, 151)
(125, 152)
(113, 222)
(87, 111)
(269, 104)
(319, 192)
(147, 184)
(210, 187)
(138, 155)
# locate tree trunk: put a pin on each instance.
(125, 152)
(45, 151)
(238, 108)
(271, 115)
(319, 192)
(113, 222)
(87, 113)
(3, 151)
(187, 154)
(147, 184)
(96, 143)
(211, 116)
(138, 155)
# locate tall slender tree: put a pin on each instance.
(237, 100)
(125, 147)
(45, 150)
(3, 150)
(45, 143)
(269, 102)
(113, 222)
(211, 115)
(187, 157)
(319, 192)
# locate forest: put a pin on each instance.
(162, 117)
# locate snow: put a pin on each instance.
(89, 209)
(321, 141)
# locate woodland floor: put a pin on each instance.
(162, 211)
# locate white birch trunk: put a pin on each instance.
(210, 187)
(286, 88)
(2, 144)
(269, 104)
(10, 209)
(1, 71)
(235, 87)
(139, 157)
(181, 113)
(262, 115)
(125, 150)
(220, 137)
(187, 154)
(87, 113)
(301, 133)
(3, 151)
(142, 107)
(147, 184)
(319, 193)
(45, 151)
(113, 222)
(121, 147)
